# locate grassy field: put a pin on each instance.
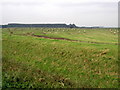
(38, 62)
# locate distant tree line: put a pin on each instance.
(40, 25)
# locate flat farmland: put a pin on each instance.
(59, 58)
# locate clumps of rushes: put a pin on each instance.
(102, 52)
(110, 30)
(54, 48)
(63, 81)
(84, 31)
(30, 33)
(43, 32)
(15, 52)
(54, 63)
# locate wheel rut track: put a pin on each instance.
(56, 38)
(72, 40)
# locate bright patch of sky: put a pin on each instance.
(79, 12)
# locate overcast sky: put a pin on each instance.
(79, 12)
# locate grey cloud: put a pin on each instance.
(84, 4)
(62, 4)
(22, 3)
(84, 13)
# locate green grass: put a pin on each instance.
(33, 62)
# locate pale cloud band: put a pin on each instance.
(80, 12)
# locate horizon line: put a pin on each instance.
(63, 23)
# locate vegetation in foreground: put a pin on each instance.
(34, 62)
